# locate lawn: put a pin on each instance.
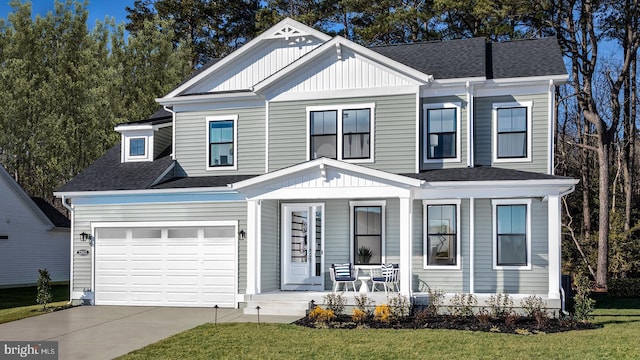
(617, 339)
(19, 303)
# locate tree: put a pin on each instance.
(44, 294)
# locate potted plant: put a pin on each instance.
(364, 255)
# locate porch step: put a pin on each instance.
(277, 307)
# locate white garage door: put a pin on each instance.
(166, 266)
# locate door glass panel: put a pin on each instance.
(299, 236)
(143, 233)
(112, 233)
(318, 243)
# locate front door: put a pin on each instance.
(302, 246)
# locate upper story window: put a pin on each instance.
(221, 140)
(342, 132)
(441, 235)
(512, 132)
(441, 133)
(367, 224)
(512, 235)
(137, 147)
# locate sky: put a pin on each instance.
(98, 9)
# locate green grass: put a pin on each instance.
(617, 339)
(20, 303)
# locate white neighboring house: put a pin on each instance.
(33, 235)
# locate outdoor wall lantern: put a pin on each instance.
(85, 236)
(242, 234)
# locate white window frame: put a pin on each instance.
(209, 119)
(494, 115)
(339, 109)
(494, 239)
(425, 253)
(147, 135)
(423, 140)
(352, 255)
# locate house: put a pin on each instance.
(298, 150)
(33, 235)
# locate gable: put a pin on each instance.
(17, 209)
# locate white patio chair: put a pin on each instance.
(387, 276)
(343, 274)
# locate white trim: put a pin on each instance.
(79, 194)
(432, 106)
(554, 237)
(552, 123)
(246, 48)
(352, 205)
(345, 93)
(267, 108)
(339, 134)
(472, 245)
(173, 131)
(417, 132)
(519, 80)
(252, 240)
(125, 145)
(470, 125)
(494, 239)
(406, 245)
(210, 119)
(494, 123)
(135, 127)
(425, 204)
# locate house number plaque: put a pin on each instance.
(83, 252)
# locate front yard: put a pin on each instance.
(20, 303)
(617, 339)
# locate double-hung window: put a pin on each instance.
(221, 140)
(512, 235)
(342, 132)
(367, 224)
(441, 132)
(441, 235)
(512, 131)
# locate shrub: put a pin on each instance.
(483, 316)
(500, 304)
(628, 287)
(359, 316)
(320, 315)
(510, 318)
(541, 318)
(582, 303)
(532, 304)
(436, 299)
(335, 302)
(44, 293)
(363, 302)
(462, 304)
(400, 306)
(382, 313)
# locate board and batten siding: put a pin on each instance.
(395, 131)
(458, 100)
(191, 141)
(162, 140)
(488, 280)
(84, 215)
(540, 132)
(270, 256)
(447, 280)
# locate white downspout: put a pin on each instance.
(72, 215)
(552, 124)
(470, 125)
(173, 131)
(472, 230)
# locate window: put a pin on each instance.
(512, 128)
(221, 140)
(367, 223)
(324, 130)
(441, 240)
(136, 147)
(512, 233)
(441, 132)
(341, 132)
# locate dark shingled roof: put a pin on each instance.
(56, 217)
(201, 181)
(108, 173)
(520, 58)
(161, 116)
(481, 173)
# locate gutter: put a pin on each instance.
(173, 131)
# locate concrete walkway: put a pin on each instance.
(105, 332)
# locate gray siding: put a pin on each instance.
(540, 134)
(270, 257)
(395, 131)
(461, 99)
(162, 139)
(450, 281)
(533, 281)
(85, 215)
(191, 141)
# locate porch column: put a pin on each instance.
(253, 240)
(405, 245)
(554, 215)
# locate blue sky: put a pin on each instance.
(98, 9)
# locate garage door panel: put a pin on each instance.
(166, 267)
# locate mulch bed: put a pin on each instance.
(518, 325)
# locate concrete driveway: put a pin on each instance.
(105, 332)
